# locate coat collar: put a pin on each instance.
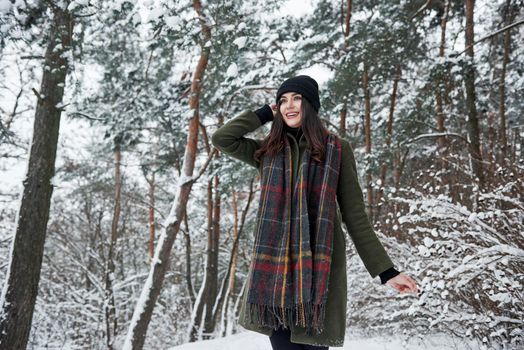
(301, 140)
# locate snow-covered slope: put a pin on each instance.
(254, 341)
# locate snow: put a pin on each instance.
(173, 21)
(240, 41)
(466, 255)
(428, 242)
(423, 251)
(319, 72)
(232, 70)
(255, 341)
(154, 14)
(5, 6)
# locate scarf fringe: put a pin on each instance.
(305, 315)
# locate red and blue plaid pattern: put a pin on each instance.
(293, 239)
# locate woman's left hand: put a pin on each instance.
(403, 283)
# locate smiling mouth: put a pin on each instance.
(291, 115)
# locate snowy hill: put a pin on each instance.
(254, 341)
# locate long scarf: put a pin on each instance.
(293, 240)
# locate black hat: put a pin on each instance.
(303, 84)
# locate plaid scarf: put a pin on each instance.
(293, 240)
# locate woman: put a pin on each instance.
(296, 291)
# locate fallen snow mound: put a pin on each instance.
(254, 341)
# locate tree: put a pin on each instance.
(471, 98)
(510, 11)
(126, 107)
(440, 116)
(205, 309)
(142, 315)
(21, 286)
(109, 304)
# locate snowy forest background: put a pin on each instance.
(429, 93)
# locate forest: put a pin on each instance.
(121, 226)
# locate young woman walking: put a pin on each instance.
(296, 291)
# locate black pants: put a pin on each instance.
(280, 340)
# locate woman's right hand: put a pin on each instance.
(266, 113)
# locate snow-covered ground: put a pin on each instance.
(254, 341)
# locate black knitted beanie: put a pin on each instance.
(304, 85)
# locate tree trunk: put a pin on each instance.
(189, 282)
(232, 269)
(109, 304)
(389, 133)
(20, 290)
(471, 99)
(343, 117)
(347, 22)
(200, 307)
(491, 146)
(90, 237)
(441, 141)
(151, 245)
(231, 284)
(509, 16)
(225, 293)
(210, 284)
(367, 134)
(213, 259)
(441, 97)
(518, 140)
(136, 335)
(399, 161)
(347, 31)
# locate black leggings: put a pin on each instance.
(280, 340)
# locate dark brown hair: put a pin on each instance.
(312, 127)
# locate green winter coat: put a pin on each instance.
(230, 140)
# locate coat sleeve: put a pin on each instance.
(230, 139)
(352, 209)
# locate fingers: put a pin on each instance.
(411, 284)
(399, 287)
(414, 286)
(405, 284)
(406, 289)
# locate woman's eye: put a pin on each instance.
(298, 97)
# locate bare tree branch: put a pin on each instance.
(437, 134)
(508, 27)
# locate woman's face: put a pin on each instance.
(291, 108)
